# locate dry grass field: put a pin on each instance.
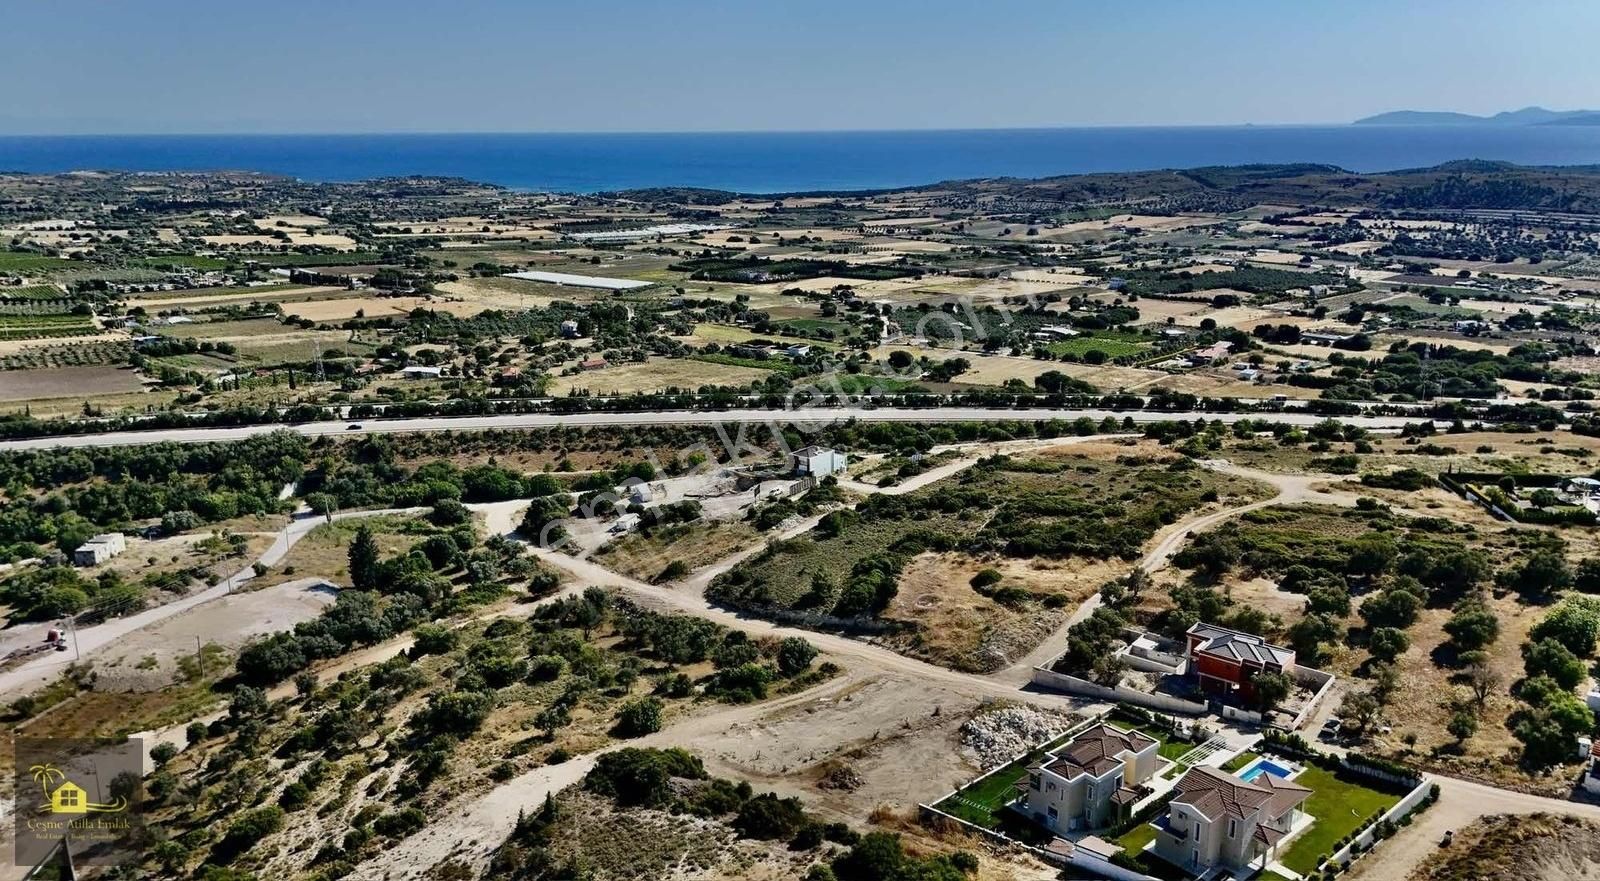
(645, 556)
(79, 383)
(656, 375)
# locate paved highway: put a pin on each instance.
(816, 416)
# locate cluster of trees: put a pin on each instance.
(368, 475)
(1422, 370)
(60, 497)
(1556, 658)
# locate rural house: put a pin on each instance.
(99, 549)
(1219, 820)
(1089, 782)
(817, 462)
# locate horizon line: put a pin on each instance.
(651, 132)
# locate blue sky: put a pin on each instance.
(162, 66)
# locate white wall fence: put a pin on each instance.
(1320, 683)
(1344, 855)
(1044, 677)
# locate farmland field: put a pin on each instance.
(25, 327)
(27, 261)
(1113, 347)
(32, 292)
(657, 375)
(74, 382)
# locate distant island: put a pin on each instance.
(1525, 116)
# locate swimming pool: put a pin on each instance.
(1264, 766)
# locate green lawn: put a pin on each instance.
(980, 803)
(1135, 839)
(1240, 760)
(1339, 806)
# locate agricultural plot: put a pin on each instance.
(32, 292)
(33, 327)
(28, 263)
(57, 354)
(1110, 346)
(80, 383)
(658, 375)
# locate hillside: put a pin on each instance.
(1525, 116)
(1465, 184)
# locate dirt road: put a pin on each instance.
(470, 832)
(1461, 803)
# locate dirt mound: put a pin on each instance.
(1535, 847)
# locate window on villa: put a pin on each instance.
(1233, 828)
(1033, 781)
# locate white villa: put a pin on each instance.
(1218, 820)
(1087, 783)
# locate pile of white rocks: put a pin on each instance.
(997, 736)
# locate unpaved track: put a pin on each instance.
(90, 641)
(473, 832)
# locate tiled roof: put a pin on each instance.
(1096, 751)
(1217, 793)
(1239, 646)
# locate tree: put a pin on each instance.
(1308, 634)
(635, 776)
(553, 718)
(1359, 709)
(1385, 681)
(163, 753)
(364, 559)
(1462, 725)
(1388, 643)
(639, 717)
(322, 504)
(1587, 576)
(1271, 689)
(1393, 607)
(795, 655)
(432, 639)
(1328, 599)
(768, 817)
(1472, 626)
(1575, 624)
(1483, 679)
(1549, 728)
(1543, 573)
(1547, 657)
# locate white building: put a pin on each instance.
(99, 549)
(818, 461)
(419, 371)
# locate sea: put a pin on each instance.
(793, 162)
